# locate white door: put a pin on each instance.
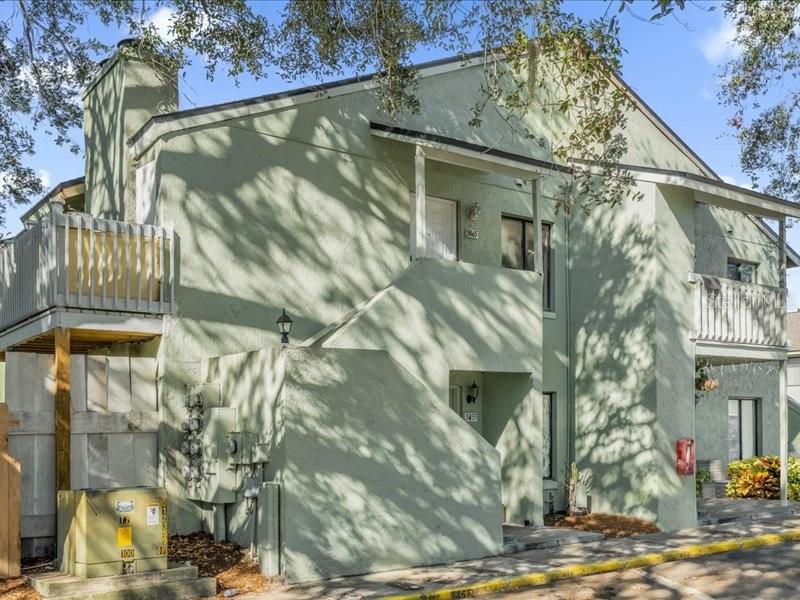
(440, 220)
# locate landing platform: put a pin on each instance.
(517, 538)
(179, 581)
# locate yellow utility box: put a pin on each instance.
(112, 532)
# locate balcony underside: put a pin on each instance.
(732, 353)
(90, 330)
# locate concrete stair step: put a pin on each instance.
(176, 582)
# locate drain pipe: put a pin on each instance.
(570, 359)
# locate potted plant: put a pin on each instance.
(703, 381)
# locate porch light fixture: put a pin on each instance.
(472, 394)
(284, 324)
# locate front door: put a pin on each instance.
(440, 220)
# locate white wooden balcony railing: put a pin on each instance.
(74, 260)
(734, 312)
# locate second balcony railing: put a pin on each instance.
(735, 312)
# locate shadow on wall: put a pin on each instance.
(375, 472)
(630, 336)
(316, 232)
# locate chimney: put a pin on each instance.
(129, 88)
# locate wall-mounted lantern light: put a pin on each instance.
(284, 324)
(472, 394)
(474, 211)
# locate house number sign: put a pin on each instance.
(471, 417)
(470, 233)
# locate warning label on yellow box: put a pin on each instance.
(124, 536)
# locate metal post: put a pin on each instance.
(418, 224)
(783, 407)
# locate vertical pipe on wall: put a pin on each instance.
(418, 224)
(783, 404)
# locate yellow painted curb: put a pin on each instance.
(536, 578)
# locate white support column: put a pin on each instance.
(782, 251)
(536, 193)
(783, 407)
(418, 224)
(783, 402)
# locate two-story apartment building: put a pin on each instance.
(455, 341)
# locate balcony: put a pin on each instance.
(76, 263)
(728, 312)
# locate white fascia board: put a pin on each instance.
(734, 199)
(473, 159)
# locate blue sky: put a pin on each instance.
(671, 65)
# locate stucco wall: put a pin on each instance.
(302, 208)
(723, 234)
(749, 380)
(116, 104)
(438, 318)
(376, 473)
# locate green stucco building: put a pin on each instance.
(455, 343)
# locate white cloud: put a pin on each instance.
(719, 44)
(734, 181)
(707, 91)
(162, 21)
(45, 177)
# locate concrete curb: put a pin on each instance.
(535, 578)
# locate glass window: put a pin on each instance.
(548, 423)
(519, 252)
(512, 239)
(547, 266)
(742, 270)
(742, 429)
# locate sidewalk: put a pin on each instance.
(526, 568)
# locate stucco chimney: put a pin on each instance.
(129, 88)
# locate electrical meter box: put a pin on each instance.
(112, 532)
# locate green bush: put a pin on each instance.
(760, 477)
(701, 477)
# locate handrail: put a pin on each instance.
(78, 261)
(738, 312)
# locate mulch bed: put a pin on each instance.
(611, 526)
(230, 564)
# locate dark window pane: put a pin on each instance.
(733, 270)
(511, 242)
(547, 268)
(747, 272)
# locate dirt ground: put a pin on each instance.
(611, 526)
(229, 563)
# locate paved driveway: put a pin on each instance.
(769, 573)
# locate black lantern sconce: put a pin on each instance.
(284, 324)
(472, 394)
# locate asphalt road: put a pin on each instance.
(767, 573)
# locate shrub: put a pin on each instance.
(702, 476)
(760, 477)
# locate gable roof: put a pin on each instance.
(161, 124)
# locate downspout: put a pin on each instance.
(570, 361)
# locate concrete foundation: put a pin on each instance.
(173, 583)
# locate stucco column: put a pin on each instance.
(418, 225)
